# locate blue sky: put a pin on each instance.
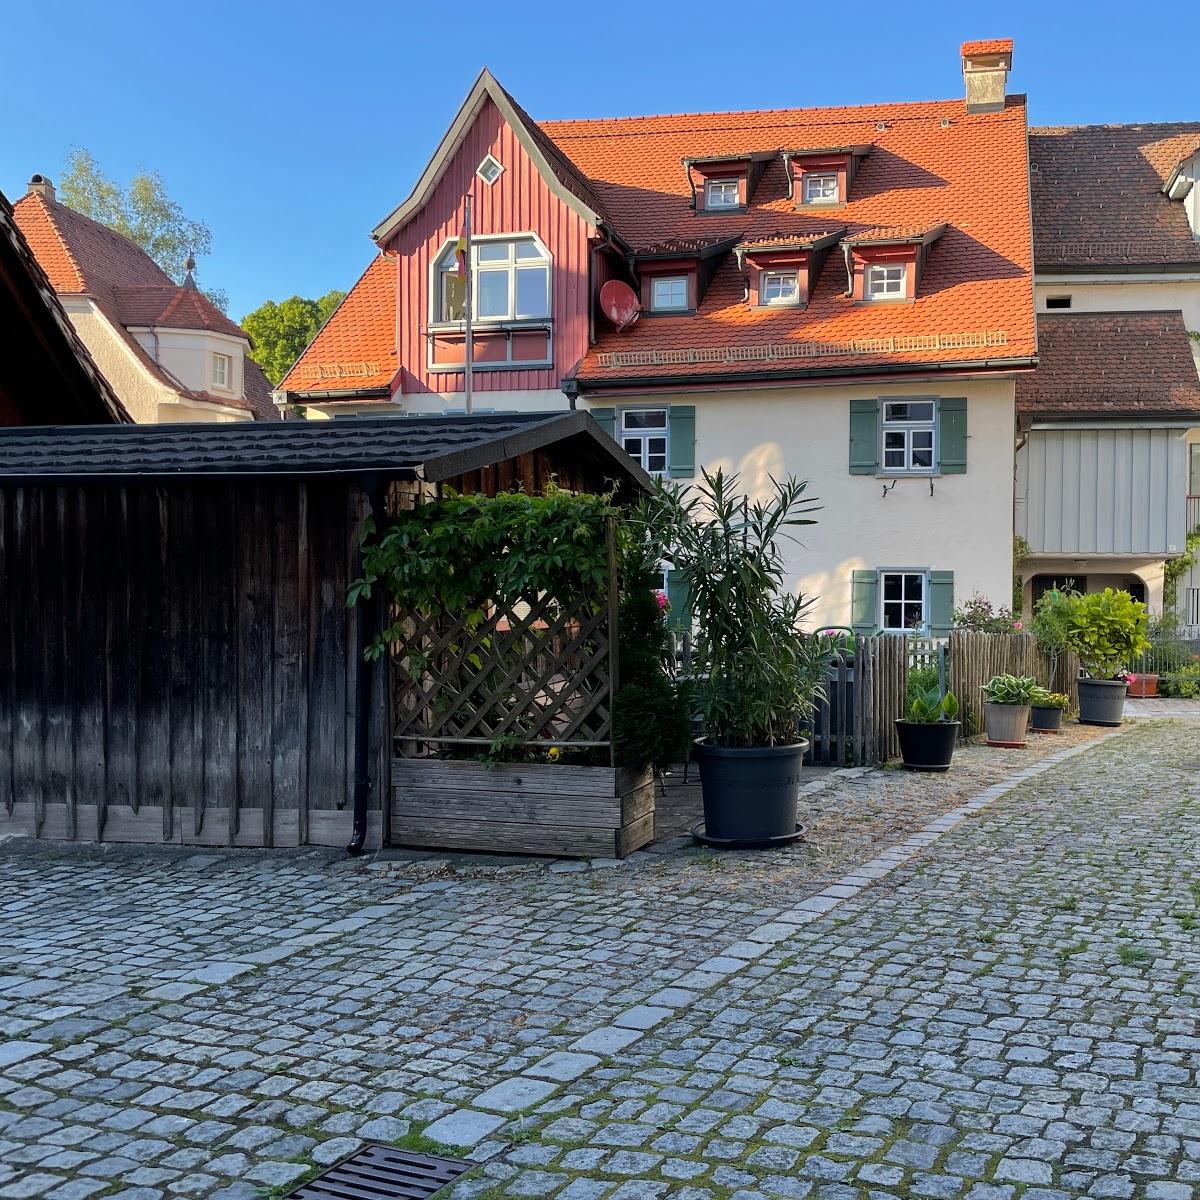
(293, 128)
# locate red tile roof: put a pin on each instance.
(258, 392)
(931, 163)
(1125, 364)
(356, 348)
(986, 47)
(171, 306)
(886, 234)
(1097, 196)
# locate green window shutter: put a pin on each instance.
(952, 436)
(864, 602)
(681, 421)
(679, 616)
(606, 418)
(864, 437)
(941, 603)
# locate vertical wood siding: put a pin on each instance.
(1103, 491)
(519, 201)
(177, 663)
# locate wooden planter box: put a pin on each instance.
(521, 808)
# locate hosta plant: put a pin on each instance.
(1010, 689)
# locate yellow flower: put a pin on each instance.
(554, 754)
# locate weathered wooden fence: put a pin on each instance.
(975, 657)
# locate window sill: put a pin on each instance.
(865, 303)
(811, 207)
(489, 324)
(908, 475)
(478, 368)
(777, 307)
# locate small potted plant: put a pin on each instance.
(1007, 700)
(1106, 629)
(1047, 711)
(928, 735)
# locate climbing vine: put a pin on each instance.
(1175, 568)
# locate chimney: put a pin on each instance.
(43, 185)
(985, 67)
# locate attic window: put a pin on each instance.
(821, 187)
(722, 193)
(886, 281)
(669, 293)
(1058, 301)
(779, 289)
(489, 170)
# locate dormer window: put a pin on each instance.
(222, 371)
(821, 188)
(722, 193)
(780, 270)
(886, 282)
(779, 289)
(669, 293)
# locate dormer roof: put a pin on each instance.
(898, 235)
(684, 247)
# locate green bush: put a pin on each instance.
(1106, 629)
(1011, 689)
(1044, 699)
(921, 680)
(1183, 684)
(932, 707)
(1051, 625)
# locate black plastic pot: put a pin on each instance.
(927, 746)
(1101, 701)
(750, 794)
(1047, 718)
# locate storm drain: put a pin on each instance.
(382, 1173)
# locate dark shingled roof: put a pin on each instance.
(430, 448)
(1116, 365)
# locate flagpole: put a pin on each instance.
(469, 355)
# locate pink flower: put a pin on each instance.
(661, 597)
(1017, 625)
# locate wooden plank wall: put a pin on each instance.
(177, 663)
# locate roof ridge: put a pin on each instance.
(47, 208)
(1190, 125)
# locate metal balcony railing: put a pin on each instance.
(1193, 512)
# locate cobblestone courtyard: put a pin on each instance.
(1004, 1005)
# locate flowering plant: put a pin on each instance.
(662, 600)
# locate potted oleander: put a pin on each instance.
(1047, 710)
(756, 674)
(1107, 630)
(1007, 700)
(928, 734)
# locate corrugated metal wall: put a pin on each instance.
(1103, 491)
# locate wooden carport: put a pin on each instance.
(177, 660)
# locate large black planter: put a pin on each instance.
(750, 795)
(927, 746)
(1101, 701)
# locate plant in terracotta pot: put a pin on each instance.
(1047, 711)
(1006, 703)
(757, 675)
(1106, 629)
(928, 734)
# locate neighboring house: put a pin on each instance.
(47, 375)
(845, 294)
(167, 351)
(1109, 451)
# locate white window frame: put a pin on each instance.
(226, 361)
(766, 276)
(811, 178)
(644, 436)
(490, 160)
(1192, 607)
(908, 426)
(869, 289)
(710, 190)
(444, 260)
(655, 280)
(923, 624)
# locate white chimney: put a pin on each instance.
(43, 185)
(985, 67)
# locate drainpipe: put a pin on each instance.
(366, 626)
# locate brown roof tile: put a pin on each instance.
(1124, 364)
(171, 306)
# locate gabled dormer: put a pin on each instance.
(674, 275)
(724, 183)
(884, 265)
(1183, 184)
(781, 270)
(822, 178)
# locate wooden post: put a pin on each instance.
(614, 646)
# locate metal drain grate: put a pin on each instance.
(382, 1173)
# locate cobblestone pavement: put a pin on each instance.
(1002, 1006)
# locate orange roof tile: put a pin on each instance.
(987, 46)
(356, 348)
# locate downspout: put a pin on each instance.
(366, 626)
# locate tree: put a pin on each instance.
(280, 332)
(142, 212)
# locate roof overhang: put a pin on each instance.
(924, 238)
(698, 249)
(486, 87)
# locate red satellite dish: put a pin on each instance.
(619, 303)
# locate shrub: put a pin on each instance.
(1010, 689)
(1044, 699)
(1183, 684)
(1051, 626)
(1106, 629)
(1168, 651)
(932, 707)
(978, 616)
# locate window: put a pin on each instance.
(222, 371)
(1058, 301)
(489, 170)
(669, 293)
(643, 433)
(1193, 475)
(908, 427)
(511, 277)
(885, 282)
(1193, 607)
(779, 288)
(820, 188)
(903, 599)
(722, 193)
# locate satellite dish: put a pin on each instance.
(620, 304)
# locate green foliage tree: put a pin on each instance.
(1106, 629)
(1051, 626)
(280, 331)
(142, 212)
